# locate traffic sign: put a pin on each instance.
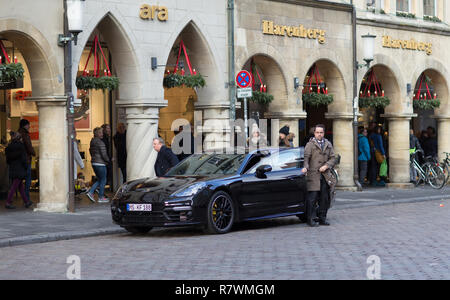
(243, 79)
(244, 93)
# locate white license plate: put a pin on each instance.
(139, 207)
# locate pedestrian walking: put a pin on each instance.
(257, 140)
(76, 156)
(120, 142)
(24, 130)
(319, 158)
(165, 159)
(378, 155)
(284, 136)
(107, 141)
(16, 158)
(430, 143)
(364, 153)
(100, 161)
(414, 145)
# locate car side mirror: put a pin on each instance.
(262, 170)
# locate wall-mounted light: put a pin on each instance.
(296, 83)
(368, 49)
(75, 9)
(154, 64)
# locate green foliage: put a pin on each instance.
(97, 83)
(374, 102)
(405, 15)
(316, 99)
(432, 19)
(261, 98)
(11, 72)
(426, 104)
(177, 80)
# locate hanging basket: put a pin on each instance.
(261, 98)
(374, 102)
(97, 82)
(194, 80)
(11, 76)
(425, 100)
(316, 99)
(426, 104)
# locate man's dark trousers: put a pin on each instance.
(322, 199)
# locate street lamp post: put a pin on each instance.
(73, 25)
(368, 51)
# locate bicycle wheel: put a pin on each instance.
(435, 175)
(446, 170)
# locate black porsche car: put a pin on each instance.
(216, 190)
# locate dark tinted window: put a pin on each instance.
(286, 159)
(205, 164)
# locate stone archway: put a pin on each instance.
(184, 102)
(396, 117)
(47, 85)
(279, 110)
(437, 118)
(339, 117)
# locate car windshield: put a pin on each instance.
(206, 164)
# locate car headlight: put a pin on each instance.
(191, 190)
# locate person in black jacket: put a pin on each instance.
(16, 157)
(165, 160)
(120, 142)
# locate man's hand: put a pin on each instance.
(323, 168)
(304, 170)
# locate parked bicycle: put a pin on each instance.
(430, 172)
(446, 166)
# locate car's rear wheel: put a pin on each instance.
(302, 217)
(221, 213)
(138, 230)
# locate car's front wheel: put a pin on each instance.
(138, 230)
(221, 213)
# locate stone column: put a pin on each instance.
(343, 145)
(443, 124)
(399, 125)
(142, 127)
(215, 124)
(280, 119)
(53, 154)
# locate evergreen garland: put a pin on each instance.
(177, 80)
(316, 99)
(261, 98)
(375, 102)
(11, 72)
(97, 83)
(426, 104)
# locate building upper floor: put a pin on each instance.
(428, 13)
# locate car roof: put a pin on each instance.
(246, 150)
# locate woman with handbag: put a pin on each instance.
(378, 155)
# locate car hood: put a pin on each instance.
(159, 189)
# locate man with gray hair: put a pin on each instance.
(165, 159)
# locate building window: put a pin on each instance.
(429, 8)
(403, 5)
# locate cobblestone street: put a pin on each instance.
(411, 241)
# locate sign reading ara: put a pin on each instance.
(149, 12)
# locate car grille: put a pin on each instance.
(155, 217)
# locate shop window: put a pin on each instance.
(429, 8)
(403, 6)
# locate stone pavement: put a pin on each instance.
(24, 226)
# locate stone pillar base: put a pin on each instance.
(401, 186)
(51, 207)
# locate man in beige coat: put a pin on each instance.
(319, 159)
